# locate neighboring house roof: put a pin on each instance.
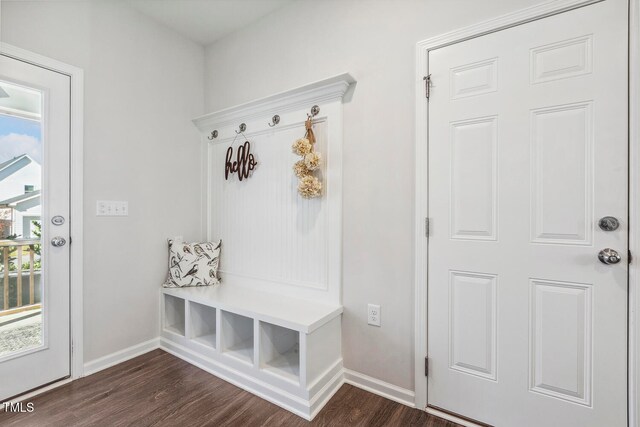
(16, 159)
(14, 201)
(14, 165)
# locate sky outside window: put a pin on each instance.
(20, 136)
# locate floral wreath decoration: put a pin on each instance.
(309, 186)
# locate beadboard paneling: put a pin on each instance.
(269, 232)
(272, 239)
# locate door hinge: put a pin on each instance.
(427, 85)
(426, 366)
(629, 257)
(426, 227)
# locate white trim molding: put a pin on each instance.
(379, 387)
(76, 188)
(120, 356)
(421, 152)
(634, 211)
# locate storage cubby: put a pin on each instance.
(280, 351)
(237, 336)
(203, 324)
(174, 314)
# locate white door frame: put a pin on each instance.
(76, 249)
(421, 196)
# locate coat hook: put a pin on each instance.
(315, 110)
(274, 120)
(241, 128)
(214, 134)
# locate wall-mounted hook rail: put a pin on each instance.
(214, 134)
(241, 128)
(274, 120)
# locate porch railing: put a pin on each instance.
(19, 257)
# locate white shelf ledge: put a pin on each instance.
(206, 340)
(178, 330)
(242, 351)
(286, 366)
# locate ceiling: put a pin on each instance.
(206, 21)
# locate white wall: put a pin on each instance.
(375, 41)
(143, 84)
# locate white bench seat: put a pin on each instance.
(283, 349)
(297, 314)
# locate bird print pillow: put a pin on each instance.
(193, 264)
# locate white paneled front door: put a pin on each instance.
(34, 226)
(527, 152)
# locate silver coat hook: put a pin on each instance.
(214, 134)
(274, 120)
(315, 110)
(241, 128)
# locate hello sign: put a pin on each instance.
(243, 164)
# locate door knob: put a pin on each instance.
(58, 241)
(609, 256)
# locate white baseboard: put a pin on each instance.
(123, 355)
(306, 409)
(356, 379)
(326, 393)
(381, 388)
(397, 394)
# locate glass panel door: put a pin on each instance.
(34, 226)
(20, 219)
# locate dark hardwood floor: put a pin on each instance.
(158, 389)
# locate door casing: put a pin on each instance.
(76, 213)
(422, 174)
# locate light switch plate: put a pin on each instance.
(112, 208)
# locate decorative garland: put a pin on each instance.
(309, 185)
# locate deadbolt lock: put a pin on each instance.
(609, 223)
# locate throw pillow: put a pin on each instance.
(193, 264)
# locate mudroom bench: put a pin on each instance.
(282, 349)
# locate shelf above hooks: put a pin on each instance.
(258, 113)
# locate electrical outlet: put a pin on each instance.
(112, 208)
(373, 315)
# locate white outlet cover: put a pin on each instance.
(373, 315)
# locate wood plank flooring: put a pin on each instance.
(158, 389)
